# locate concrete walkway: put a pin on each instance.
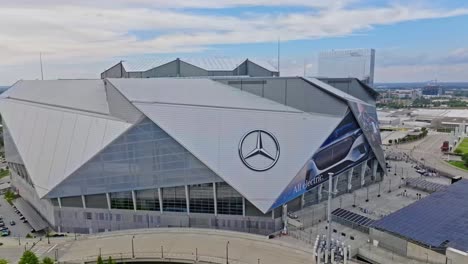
(176, 245)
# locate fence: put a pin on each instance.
(169, 257)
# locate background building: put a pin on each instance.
(150, 67)
(355, 63)
(97, 155)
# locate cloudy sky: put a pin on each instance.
(416, 40)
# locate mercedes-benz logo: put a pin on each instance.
(259, 150)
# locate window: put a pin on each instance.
(174, 199)
(121, 200)
(229, 201)
(147, 200)
(201, 198)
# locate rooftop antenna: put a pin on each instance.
(279, 40)
(40, 60)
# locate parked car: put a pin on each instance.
(5, 233)
(12, 223)
(3, 228)
(22, 218)
(25, 221)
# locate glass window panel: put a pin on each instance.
(229, 201)
(147, 200)
(201, 198)
(121, 200)
(174, 199)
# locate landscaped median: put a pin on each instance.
(462, 147)
(459, 164)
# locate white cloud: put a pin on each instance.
(87, 32)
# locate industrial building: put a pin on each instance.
(91, 156)
(353, 63)
(431, 230)
(152, 67)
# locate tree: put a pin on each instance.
(110, 261)
(465, 159)
(99, 260)
(3, 261)
(47, 260)
(28, 258)
(390, 141)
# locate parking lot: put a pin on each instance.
(20, 229)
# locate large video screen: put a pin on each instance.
(346, 147)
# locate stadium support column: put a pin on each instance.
(83, 200)
(160, 200)
(375, 164)
(134, 200)
(59, 202)
(108, 201)
(243, 206)
(363, 173)
(215, 199)
(335, 184)
(319, 192)
(187, 199)
(350, 178)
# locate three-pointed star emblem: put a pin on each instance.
(259, 150)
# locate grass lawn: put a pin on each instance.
(4, 173)
(463, 146)
(459, 164)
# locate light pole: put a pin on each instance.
(227, 252)
(330, 183)
(133, 248)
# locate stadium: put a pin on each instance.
(231, 153)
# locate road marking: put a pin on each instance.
(52, 248)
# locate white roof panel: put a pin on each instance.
(213, 136)
(141, 64)
(196, 92)
(337, 92)
(85, 95)
(145, 63)
(54, 143)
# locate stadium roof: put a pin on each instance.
(439, 220)
(58, 126)
(211, 64)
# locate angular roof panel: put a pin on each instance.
(197, 111)
(195, 92)
(52, 142)
(141, 64)
(85, 95)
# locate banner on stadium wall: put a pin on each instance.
(345, 148)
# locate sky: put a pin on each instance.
(418, 40)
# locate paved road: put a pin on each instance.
(427, 151)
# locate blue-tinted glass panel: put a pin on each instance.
(144, 157)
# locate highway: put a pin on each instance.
(427, 152)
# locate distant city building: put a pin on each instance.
(356, 63)
(433, 89)
(153, 67)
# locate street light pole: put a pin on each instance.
(133, 248)
(227, 252)
(330, 183)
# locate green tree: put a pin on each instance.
(110, 261)
(47, 260)
(99, 260)
(3, 261)
(465, 159)
(28, 258)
